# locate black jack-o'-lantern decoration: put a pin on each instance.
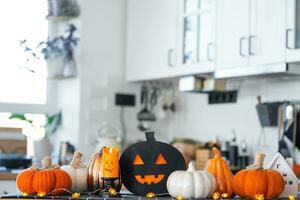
(146, 166)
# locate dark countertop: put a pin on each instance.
(84, 197)
(95, 197)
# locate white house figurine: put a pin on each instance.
(284, 166)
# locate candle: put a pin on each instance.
(110, 163)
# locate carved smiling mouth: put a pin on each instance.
(109, 170)
(149, 179)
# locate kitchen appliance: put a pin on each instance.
(146, 114)
(109, 136)
(15, 161)
(66, 152)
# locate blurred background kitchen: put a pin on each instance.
(78, 75)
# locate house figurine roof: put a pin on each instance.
(279, 158)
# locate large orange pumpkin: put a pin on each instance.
(25, 179)
(221, 171)
(255, 181)
(44, 180)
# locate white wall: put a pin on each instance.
(199, 120)
(89, 99)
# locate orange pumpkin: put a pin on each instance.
(63, 182)
(255, 181)
(221, 171)
(296, 169)
(25, 179)
(44, 180)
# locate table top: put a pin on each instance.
(95, 197)
(84, 197)
(8, 176)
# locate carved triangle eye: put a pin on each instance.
(161, 160)
(138, 160)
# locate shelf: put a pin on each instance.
(60, 18)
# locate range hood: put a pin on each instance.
(284, 69)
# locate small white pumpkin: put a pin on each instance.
(191, 183)
(78, 173)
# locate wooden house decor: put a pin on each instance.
(290, 179)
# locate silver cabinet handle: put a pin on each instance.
(170, 53)
(208, 49)
(241, 47)
(288, 31)
(251, 38)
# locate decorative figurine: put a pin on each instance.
(146, 166)
(284, 166)
(110, 170)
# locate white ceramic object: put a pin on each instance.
(191, 183)
(78, 173)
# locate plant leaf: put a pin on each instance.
(20, 117)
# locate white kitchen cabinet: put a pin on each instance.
(250, 34)
(196, 37)
(233, 33)
(292, 30)
(151, 39)
(267, 34)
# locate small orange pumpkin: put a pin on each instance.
(296, 169)
(256, 181)
(62, 182)
(221, 171)
(44, 180)
(25, 179)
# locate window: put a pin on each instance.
(21, 20)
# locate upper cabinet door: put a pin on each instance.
(267, 32)
(233, 33)
(197, 38)
(151, 39)
(292, 30)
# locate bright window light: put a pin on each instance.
(21, 20)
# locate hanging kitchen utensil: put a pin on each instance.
(293, 130)
(145, 115)
(282, 122)
(267, 113)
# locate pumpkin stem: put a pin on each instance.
(191, 167)
(216, 152)
(77, 160)
(150, 136)
(259, 161)
(56, 166)
(46, 162)
(34, 166)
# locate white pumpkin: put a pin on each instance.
(78, 173)
(191, 183)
